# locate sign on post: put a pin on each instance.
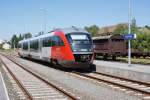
(129, 36)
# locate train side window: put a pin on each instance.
(34, 45)
(31, 45)
(53, 41)
(44, 42)
(47, 42)
(19, 45)
(25, 46)
(58, 41)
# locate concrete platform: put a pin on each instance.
(135, 71)
(3, 90)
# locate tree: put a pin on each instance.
(20, 37)
(93, 30)
(14, 41)
(121, 29)
(134, 28)
(133, 22)
(142, 42)
(148, 27)
(0, 46)
(27, 35)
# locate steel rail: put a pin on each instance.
(122, 78)
(114, 83)
(42, 79)
(18, 82)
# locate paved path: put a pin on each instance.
(135, 71)
(133, 67)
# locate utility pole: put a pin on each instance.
(129, 32)
(44, 18)
(14, 46)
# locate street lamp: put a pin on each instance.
(129, 32)
(44, 18)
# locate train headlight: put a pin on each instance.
(90, 49)
(74, 50)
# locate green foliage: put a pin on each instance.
(15, 39)
(27, 35)
(148, 27)
(142, 42)
(93, 30)
(0, 46)
(121, 29)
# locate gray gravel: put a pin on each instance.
(86, 90)
(11, 91)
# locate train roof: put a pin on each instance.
(108, 37)
(70, 30)
(64, 30)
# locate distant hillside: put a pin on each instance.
(110, 29)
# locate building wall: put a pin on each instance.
(6, 46)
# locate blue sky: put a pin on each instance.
(20, 16)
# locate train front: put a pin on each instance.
(82, 48)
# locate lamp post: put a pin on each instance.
(44, 18)
(129, 32)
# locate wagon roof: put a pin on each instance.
(108, 37)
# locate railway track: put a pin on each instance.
(136, 87)
(128, 85)
(32, 85)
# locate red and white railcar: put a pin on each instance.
(70, 47)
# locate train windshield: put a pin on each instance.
(80, 41)
(78, 37)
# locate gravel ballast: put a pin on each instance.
(86, 90)
(10, 89)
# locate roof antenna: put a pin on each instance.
(75, 28)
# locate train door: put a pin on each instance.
(46, 48)
(57, 48)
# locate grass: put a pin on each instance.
(9, 50)
(145, 61)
